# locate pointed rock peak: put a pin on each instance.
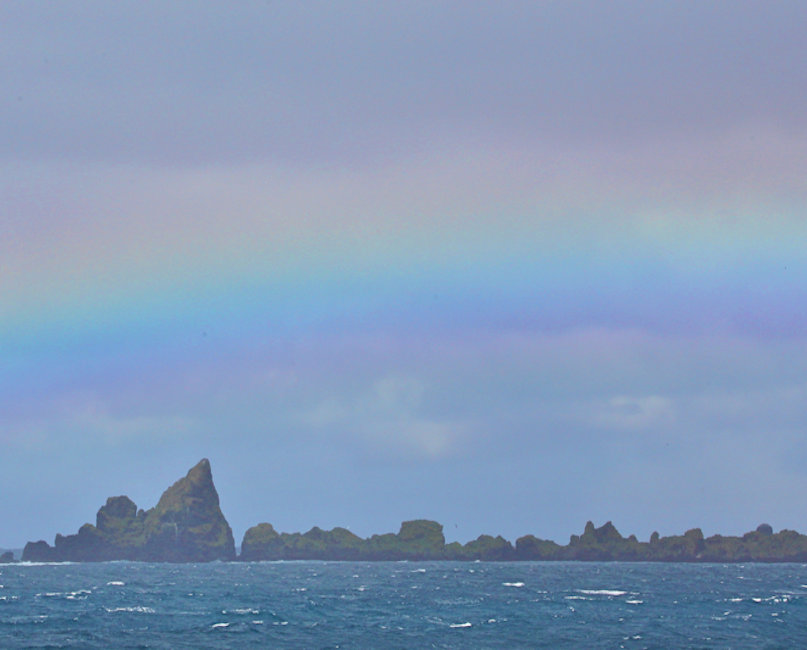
(197, 483)
(608, 531)
(187, 522)
(186, 525)
(201, 471)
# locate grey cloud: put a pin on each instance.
(317, 83)
(388, 418)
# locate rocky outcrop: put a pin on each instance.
(423, 540)
(39, 551)
(263, 542)
(486, 547)
(605, 544)
(422, 537)
(7, 557)
(187, 525)
(417, 540)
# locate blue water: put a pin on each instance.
(402, 604)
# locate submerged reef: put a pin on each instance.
(186, 525)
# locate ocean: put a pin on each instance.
(402, 605)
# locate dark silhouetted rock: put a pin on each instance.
(421, 539)
(187, 525)
(261, 542)
(417, 540)
(530, 547)
(39, 551)
(487, 547)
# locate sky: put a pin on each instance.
(510, 266)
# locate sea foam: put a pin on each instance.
(602, 592)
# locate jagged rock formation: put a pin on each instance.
(187, 525)
(417, 540)
(423, 540)
(487, 547)
(420, 539)
(605, 543)
(187, 522)
(262, 542)
(7, 557)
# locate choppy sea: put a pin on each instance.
(402, 605)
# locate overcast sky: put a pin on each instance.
(511, 266)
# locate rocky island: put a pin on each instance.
(423, 540)
(187, 525)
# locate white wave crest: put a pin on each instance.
(79, 594)
(602, 592)
(137, 609)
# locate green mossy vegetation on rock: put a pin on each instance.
(417, 540)
(187, 522)
(187, 525)
(423, 540)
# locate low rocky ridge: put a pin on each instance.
(424, 540)
(417, 540)
(187, 525)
